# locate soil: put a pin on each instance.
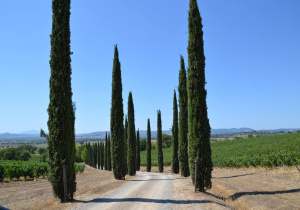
(232, 188)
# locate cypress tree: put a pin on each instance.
(109, 153)
(131, 143)
(102, 154)
(105, 153)
(138, 158)
(125, 168)
(183, 121)
(116, 119)
(99, 155)
(198, 123)
(61, 110)
(95, 155)
(175, 161)
(160, 158)
(148, 146)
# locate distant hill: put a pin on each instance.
(230, 130)
(33, 135)
(31, 132)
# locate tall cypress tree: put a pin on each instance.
(131, 143)
(109, 153)
(183, 121)
(95, 154)
(138, 158)
(148, 146)
(198, 123)
(125, 168)
(61, 111)
(102, 155)
(160, 158)
(116, 119)
(175, 161)
(105, 153)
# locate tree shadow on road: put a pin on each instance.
(240, 194)
(232, 176)
(148, 200)
(140, 180)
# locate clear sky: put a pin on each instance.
(252, 51)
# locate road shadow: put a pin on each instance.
(148, 200)
(240, 194)
(140, 180)
(233, 176)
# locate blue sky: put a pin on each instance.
(252, 51)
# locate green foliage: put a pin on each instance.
(102, 155)
(105, 154)
(166, 140)
(44, 157)
(15, 169)
(29, 148)
(138, 158)
(116, 120)
(261, 150)
(160, 157)
(175, 162)
(61, 109)
(148, 146)
(125, 159)
(109, 153)
(17, 153)
(183, 121)
(25, 155)
(143, 145)
(131, 143)
(198, 123)
(84, 154)
(42, 150)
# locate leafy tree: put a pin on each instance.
(116, 119)
(166, 140)
(183, 121)
(25, 155)
(148, 146)
(42, 150)
(138, 158)
(81, 142)
(131, 143)
(175, 162)
(198, 123)
(160, 158)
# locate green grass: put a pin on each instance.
(241, 152)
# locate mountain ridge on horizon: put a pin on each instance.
(213, 131)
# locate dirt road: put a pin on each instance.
(152, 191)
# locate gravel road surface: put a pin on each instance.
(149, 191)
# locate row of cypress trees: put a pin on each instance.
(194, 128)
(99, 154)
(125, 140)
(61, 111)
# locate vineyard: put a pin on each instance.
(27, 169)
(264, 151)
